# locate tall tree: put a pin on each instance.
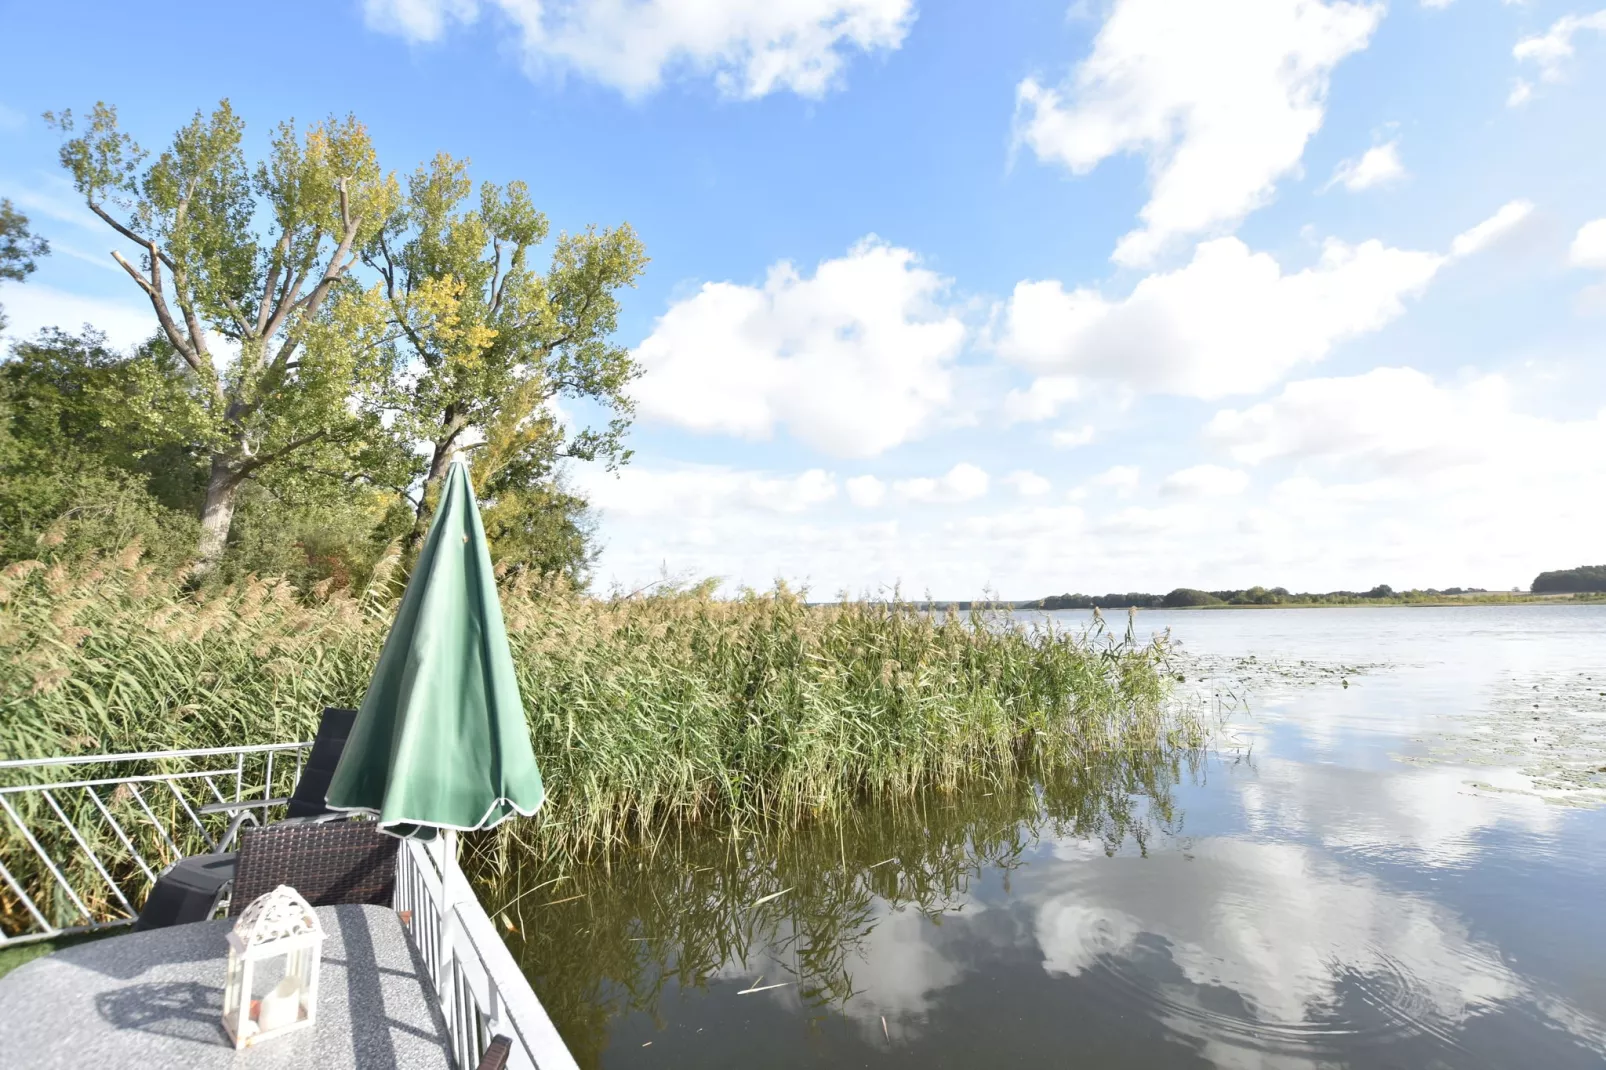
(494, 341)
(18, 247)
(301, 340)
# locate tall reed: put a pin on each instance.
(644, 712)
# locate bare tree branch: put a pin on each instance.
(237, 315)
(496, 273)
(332, 274)
(352, 478)
(294, 444)
(143, 243)
(153, 290)
(265, 309)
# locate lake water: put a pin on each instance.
(1393, 856)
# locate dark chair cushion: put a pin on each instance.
(188, 891)
(327, 746)
(329, 863)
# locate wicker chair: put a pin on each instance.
(191, 888)
(329, 863)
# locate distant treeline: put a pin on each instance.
(1185, 597)
(1587, 580)
(1582, 580)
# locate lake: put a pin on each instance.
(1394, 855)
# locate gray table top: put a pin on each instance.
(155, 999)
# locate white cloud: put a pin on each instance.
(1220, 98)
(866, 492)
(961, 483)
(1230, 321)
(699, 491)
(1589, 245)
(1068, 438)
(1522, 91)
(1399, 422)
(1205, 481)
(1028, 484)
(852, 361)
(749, 47)
(1356, 480)
(1378, 166)
(31, 307)
(417, 20)
(1503, 223)
(1552, 49)
(1042, 400)
(1026, 529)
(1122, 478)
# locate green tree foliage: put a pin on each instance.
(90, 461)
(1582, 580)
(77, 472)
(18, 248)
(493, 342)
(321, 537)
(1098, 601)
(283, 398)
(1187, 596)
(302, 341)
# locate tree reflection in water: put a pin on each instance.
(797, 904)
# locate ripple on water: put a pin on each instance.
(1381, 1005)
(1272, 948)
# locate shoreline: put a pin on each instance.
(1449, 601)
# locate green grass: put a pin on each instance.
(645, 712)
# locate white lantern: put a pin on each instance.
(277, 926)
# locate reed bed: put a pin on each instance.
(645, 712)
(765, 710)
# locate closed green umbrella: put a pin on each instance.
(441, 742)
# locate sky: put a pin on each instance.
(1013, 298)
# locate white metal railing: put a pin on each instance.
(482, 991)
(82, 838)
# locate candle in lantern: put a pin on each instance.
(282, 1006)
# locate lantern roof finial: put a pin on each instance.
(277, 915)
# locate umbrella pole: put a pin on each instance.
(452, 879)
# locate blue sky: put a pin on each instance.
(1016, 297)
